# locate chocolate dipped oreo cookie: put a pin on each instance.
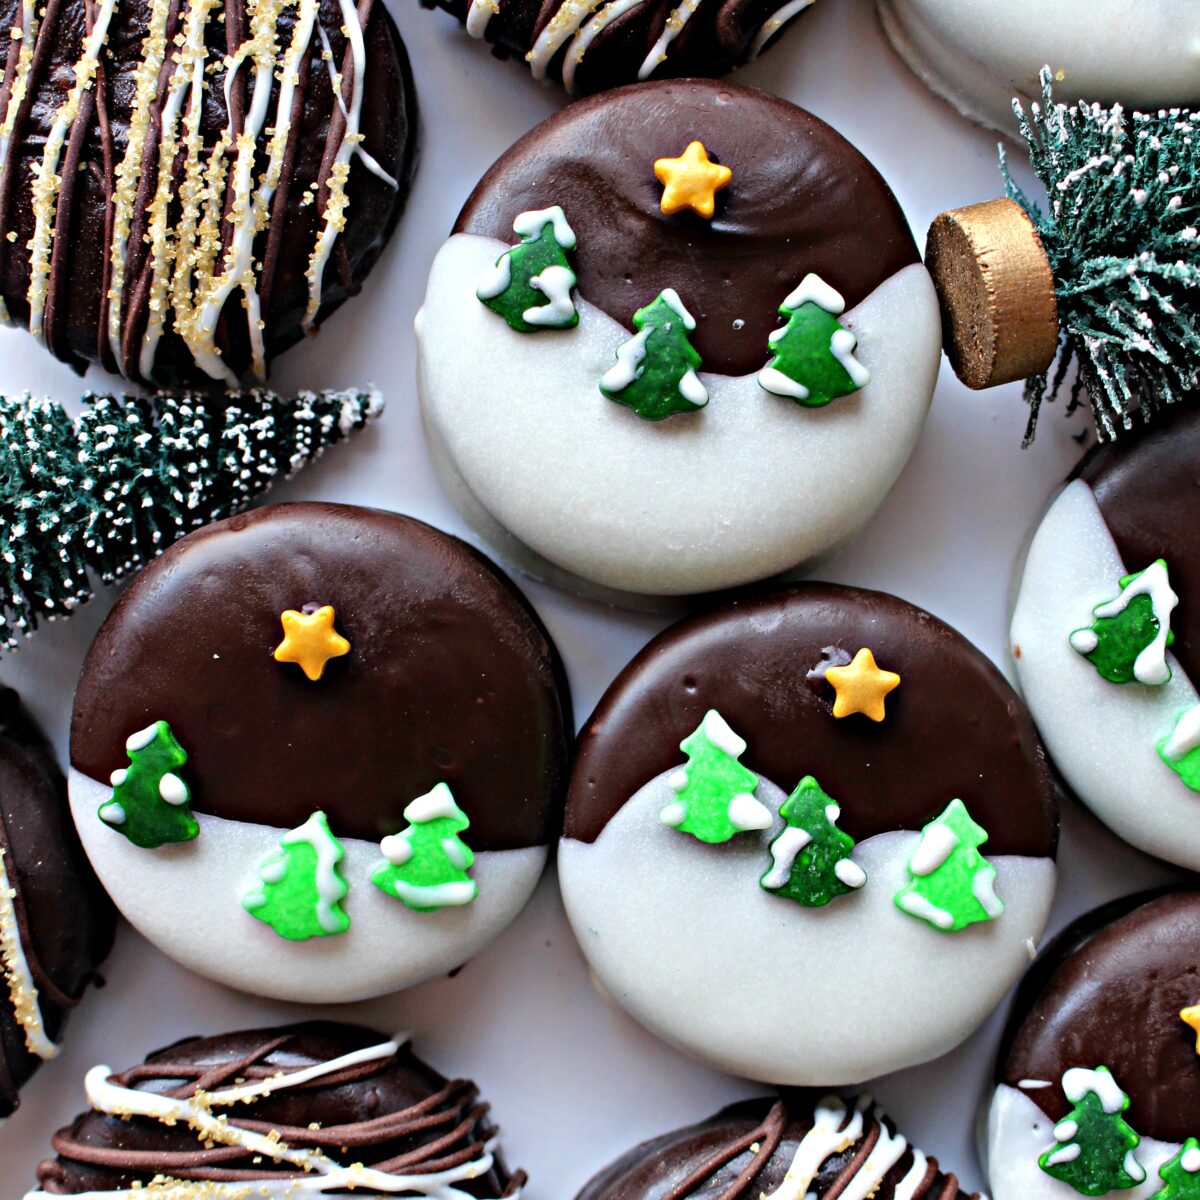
(590, 45)
(821, 807)
(780, 1149)
(1097, 1087)
(187, 189)
(56, 924)
(1103, 636)
(338, 733)
(312, 1109)
(710, 349)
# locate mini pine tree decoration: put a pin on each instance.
(150, 802)
(301, 887)
(106, 493)
(1095, 1147)
(1129, 637)
(1121, 235)
(530, 285)
(1181, 1175)
(714, 792)
(952, 885)
(810, 859)
(655, 372)
(426, 864)
(813, 355)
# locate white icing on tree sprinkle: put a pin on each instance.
(692, 390)
(746, 813)
(673, 814)
(438, 802)
(671, 30)
(329, 853)
(172, 789)
(497, 280)
(1150, 666)
(119, 776)
(1084, 640)
(1190, 1161)
(773, 380)
(1064, 1154)
(22, 990)
(113, 814)
(555, 283)
(671, 298)
(1081, 1081)
(784, 850)
(769, 28)
(842, 345)
(716, 730)
(812, 289)
(917, 905)
(141, 739)
(630, 356)
(530, 224)
(435, 895)
(583, 40)
(938, 842)
(1185, 737)
(396, 849)
(850, 873)
(678, 779)
(452, 848)
(983, 888)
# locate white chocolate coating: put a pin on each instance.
(1018, 1132)
(570, 485)
(387, 947)
(683, 936)
(979, 54)
(1102, 736)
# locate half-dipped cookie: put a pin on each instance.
(338, 734)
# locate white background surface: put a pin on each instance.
(573, 1081)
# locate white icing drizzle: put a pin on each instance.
(46, 180)
(323, 1174)
(1185, 737)
(888, 1150)
(583, 40)
(674, 26)
(561, 27)
(825, 1139)
(479, 14)
(22, 990)
(906, 1189)
(1150, 667)
(771, 26)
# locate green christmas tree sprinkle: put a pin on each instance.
(714, 793)
(426, 864)
(813, 355)
(301, 887)
(1181, 1175)
(1120, 234)
(1094, 1151)
(1128, 640)
(150, 802)
(952, 885)
(530, 285)
(109, 492)
(810, 859)
(655, 372)
(1180, 750)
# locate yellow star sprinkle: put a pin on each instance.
(861, 686)
(691, 181)
(1191, 1016)
(310, 640)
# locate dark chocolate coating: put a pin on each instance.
(954, 727)
(1148, 489)
(712, 1160)
(719, 36)
(76, 315)
(1108, 992)
(450, 677)
(364, 1113)
(801, 199)
(65, 920)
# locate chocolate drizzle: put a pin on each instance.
(388, 1111)
(591, 45)
(175, 228)
(746, 1151)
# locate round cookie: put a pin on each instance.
(178, 220)
(338, 733)
(722, 442)
(1119, 717)
(1098, 1079)
(780, 1149)
(312, 1108)
(787, 798)
(590, 45)
(979, 55)
(56, 924)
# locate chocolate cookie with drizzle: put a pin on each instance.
(590, 45)
(784, 1149)
(187, 187)
(56, 924)
(303, 1110)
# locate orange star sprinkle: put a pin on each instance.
(1191, 1016)
(861, 686)
(691, 181)
(310, 640)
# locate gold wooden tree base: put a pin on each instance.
(1000, 319)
